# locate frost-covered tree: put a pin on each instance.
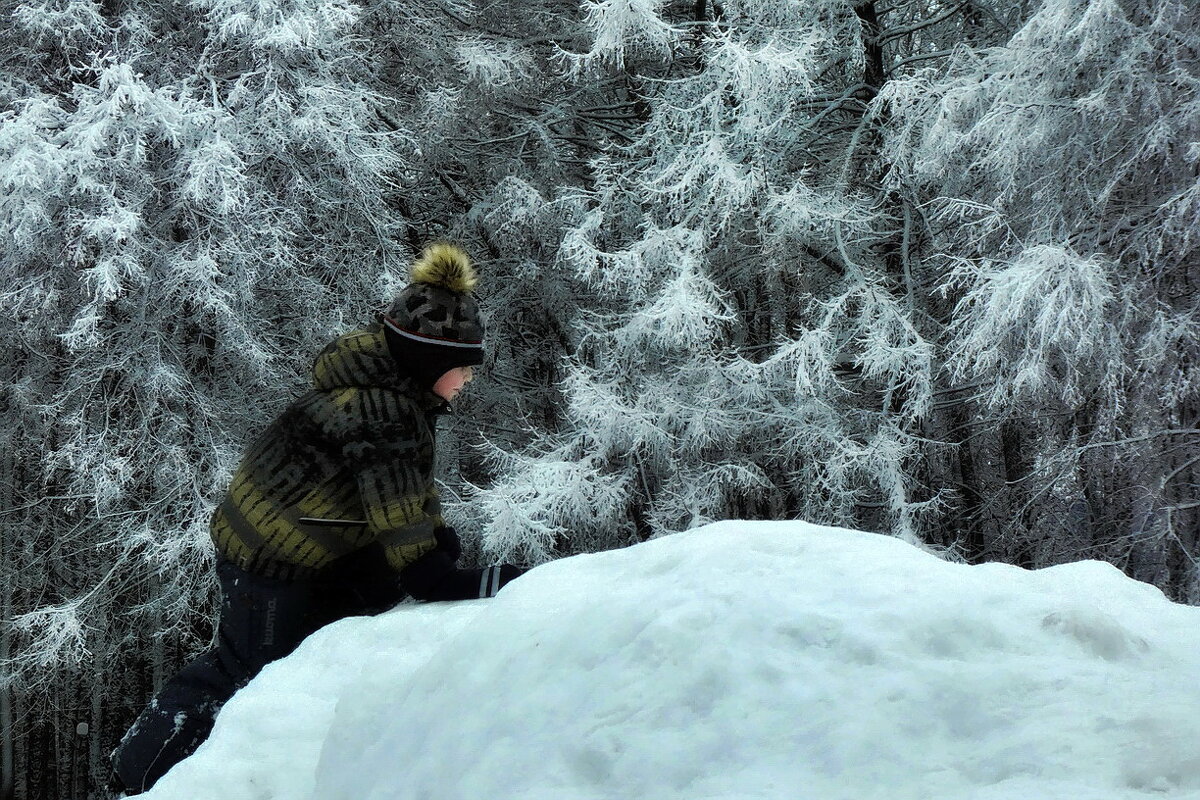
(195, 196)
(1058, 175)
(184, 221)
(925, 268)
(749, 346)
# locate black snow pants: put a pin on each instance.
(261, 620)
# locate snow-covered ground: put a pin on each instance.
(739, 660)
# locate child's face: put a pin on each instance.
(449, 385)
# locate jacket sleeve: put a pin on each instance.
(390, 454)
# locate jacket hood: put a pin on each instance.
(361, 358)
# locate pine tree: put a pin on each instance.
(186, 195)
(746, 349)
(1062, 197)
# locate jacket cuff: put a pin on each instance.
(433, 577)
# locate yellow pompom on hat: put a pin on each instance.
(447, 265)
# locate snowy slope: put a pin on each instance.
(739, 660)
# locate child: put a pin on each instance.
(333, 511)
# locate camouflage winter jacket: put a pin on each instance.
(348, 464)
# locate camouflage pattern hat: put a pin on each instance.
(433, 325)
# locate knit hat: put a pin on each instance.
(433, 325)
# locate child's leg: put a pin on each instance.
(261, 620)
(175, 723)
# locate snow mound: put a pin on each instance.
(739, 660)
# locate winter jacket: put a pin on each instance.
(348, 464)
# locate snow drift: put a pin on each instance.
(739, 660)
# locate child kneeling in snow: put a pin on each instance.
(333, 511)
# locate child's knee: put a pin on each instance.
(163, 735)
